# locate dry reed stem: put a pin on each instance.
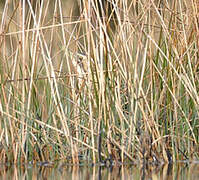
(122, 69)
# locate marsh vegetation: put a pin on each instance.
(99, 81)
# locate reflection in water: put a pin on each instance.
(61, 171)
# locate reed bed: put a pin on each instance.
(103, 81)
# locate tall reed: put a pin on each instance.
(105, 81)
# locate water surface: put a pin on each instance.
(62, 171)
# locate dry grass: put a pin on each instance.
(116, 82)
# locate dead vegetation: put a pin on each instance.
(107, 81)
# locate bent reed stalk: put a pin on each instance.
(100, 82)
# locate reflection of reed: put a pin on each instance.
(193, 171)
(115, 172)
(44, 172)
(75, 172)
(99, 173)
(168, 171)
